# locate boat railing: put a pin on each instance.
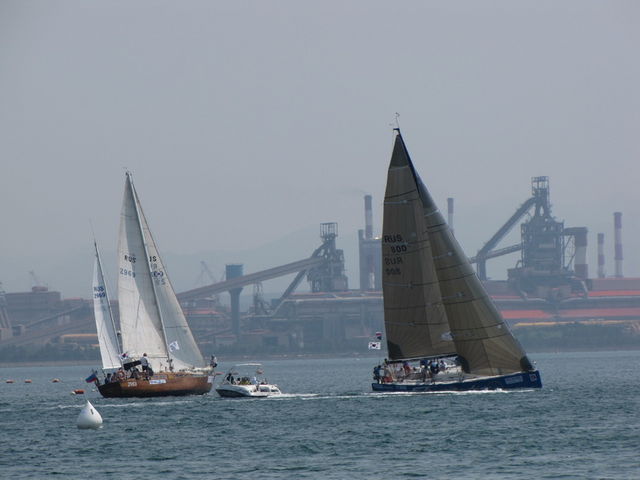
(423, 375)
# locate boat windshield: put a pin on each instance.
(245, 374)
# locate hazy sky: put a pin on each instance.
(244, 121)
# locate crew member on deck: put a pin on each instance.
(146, 369)
(434, 367)
(376, 373)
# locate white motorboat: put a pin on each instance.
(246, 380)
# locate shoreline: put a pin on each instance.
(49, 363)
(297, 356)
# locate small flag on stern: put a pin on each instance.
(174, 346)
(91, 378)
(374, 345)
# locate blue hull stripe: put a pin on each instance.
(504, 382)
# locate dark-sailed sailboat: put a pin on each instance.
(152, 325)
(443, 331)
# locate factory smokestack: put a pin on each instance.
(580, 263)
(617, 238)
(234, 270)
(368, 218)
(450, 213)
(601, 273)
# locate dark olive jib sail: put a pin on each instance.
(443, 330)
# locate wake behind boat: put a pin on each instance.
(443, 330)
(154, 333)
(246, 380)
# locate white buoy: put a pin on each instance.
(89, 417)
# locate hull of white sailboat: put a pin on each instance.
(244, 391)
(501, 382)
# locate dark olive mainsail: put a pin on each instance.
(434, 303)
(415, 318)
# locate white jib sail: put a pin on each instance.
(183, 349)
(107, 336)
(140, 322)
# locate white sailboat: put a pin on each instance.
(443, 330)
(152, 323)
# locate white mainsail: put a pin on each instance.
(105, 325)
(140, 323)
(151, 319)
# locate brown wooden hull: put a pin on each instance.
(162, 384)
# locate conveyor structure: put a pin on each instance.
(324, 270)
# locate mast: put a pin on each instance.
(136, 204)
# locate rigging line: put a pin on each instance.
(406, 201)
(484, 327)
(455, 265)
(440, 227)
(431, 213)
(475, 339)
(414, 324)
(409, 285)
(401, 194)
(447, 254)
(472, 299)
(413, 307)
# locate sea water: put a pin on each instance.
(329, 425)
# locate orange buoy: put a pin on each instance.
(28, 380)
(78, 391)
(55, 380)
